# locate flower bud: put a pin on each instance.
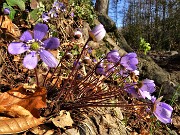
(87, 60)
(6, 11)
(97, 33)
(68, 56)
(77, 34)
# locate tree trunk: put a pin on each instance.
(102, 6)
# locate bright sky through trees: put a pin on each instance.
(116, 10)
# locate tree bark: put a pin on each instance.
(102, 6)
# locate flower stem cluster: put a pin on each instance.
(84, 82)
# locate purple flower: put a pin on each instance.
(100, 69)
(113, 56)
(45, 17)
(7, 11)
(72, 14)
(77, 64)
(130, 61)
(162, 111)
(147, 87)
(59, 6)
(97, 33)
(132, 90)
(35, 46)
(53, 13)
(109, 68)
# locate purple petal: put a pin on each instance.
(30, 61)
(113, 56)
(132, 55)
(26, 36)
(40, 31)
(7, 11)
(51, 43)
(17, 48)
(134, 61)
(163, 112)
(148, 85)
(145, 94)
(48, 58)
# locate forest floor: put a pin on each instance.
(13, 74)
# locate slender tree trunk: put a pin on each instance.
(102, 6)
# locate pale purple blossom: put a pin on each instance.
(147, 88)
(129, 61)
(97, 33)
(162, 111)
(113, 56)
(59, 6)
(7, 11)
(45, 17)
(100, 69)
(35, 47)
(53, 13)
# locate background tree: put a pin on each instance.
(102, 6)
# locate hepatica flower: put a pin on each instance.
(129, 61)
(162, 111)
(36, 47)
(100, 69)
(147, 87)
(97, 33)
(113, 56)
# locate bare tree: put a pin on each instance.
(102, 6)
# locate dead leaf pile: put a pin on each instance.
(8, 29)
(20, 109)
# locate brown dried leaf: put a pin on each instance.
(176, 121)
(63, 120)
(11, 28)
(34, 4)
(16, 125)
(15, 111)
(30, 101)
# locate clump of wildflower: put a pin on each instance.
(97, 33)
(45, 17)
(36, 47)
(162, 110)
(6, 11)
(59, 6)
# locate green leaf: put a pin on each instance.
(12, 11)
(34, 14)
(19, 3)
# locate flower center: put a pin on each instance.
(35, 46)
